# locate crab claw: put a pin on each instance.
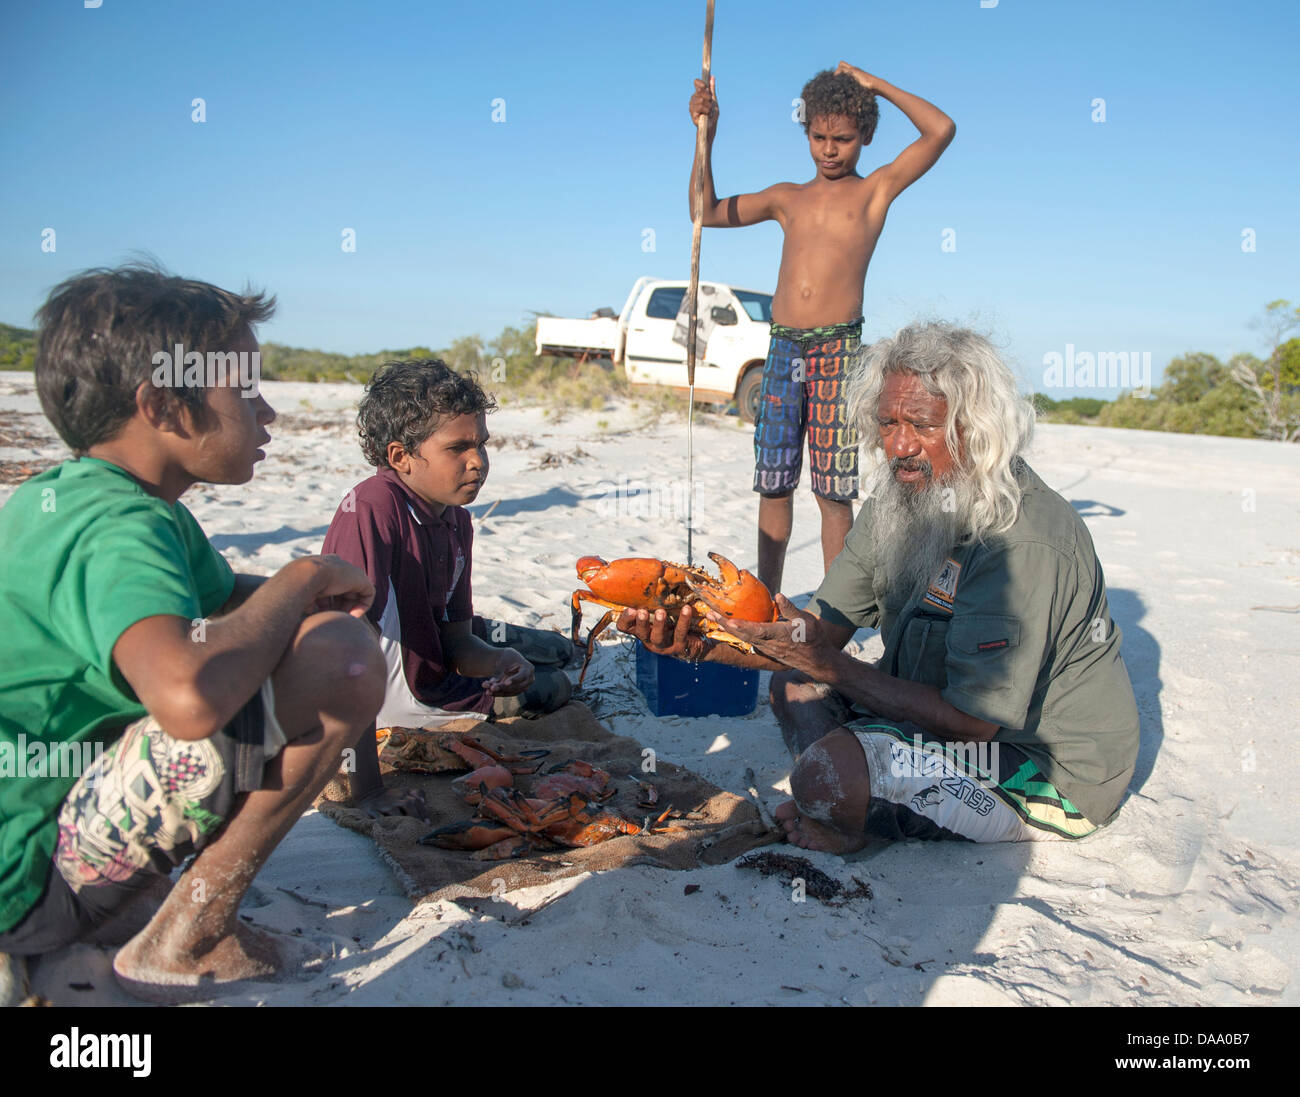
(471, 785)
(589, 566)
(471, 834)
(739, 594)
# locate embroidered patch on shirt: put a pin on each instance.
(944, 588)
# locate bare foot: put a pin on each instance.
(809, 834)
(148, 970)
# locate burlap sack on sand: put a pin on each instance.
(722, 828)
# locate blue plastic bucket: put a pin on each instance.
(672, 687)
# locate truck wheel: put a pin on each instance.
(747, 394)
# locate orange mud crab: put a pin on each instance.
(646, 583)
(510, 824)
(563, 811)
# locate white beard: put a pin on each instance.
(914, 530)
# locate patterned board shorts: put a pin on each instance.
(926, 787)
(803, 393)
(144, 806)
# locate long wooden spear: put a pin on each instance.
(697, 228)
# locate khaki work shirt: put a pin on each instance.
(1015, 631)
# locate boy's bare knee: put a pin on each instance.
(339, 656)
(337, 642)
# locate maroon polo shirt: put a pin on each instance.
(419, 563)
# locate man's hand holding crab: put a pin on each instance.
(799, 640)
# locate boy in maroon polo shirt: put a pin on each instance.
(423, 426)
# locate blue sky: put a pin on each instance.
(324, 115)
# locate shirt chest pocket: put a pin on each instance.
(923, 651)
(986, 646)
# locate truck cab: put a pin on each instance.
(737, 322)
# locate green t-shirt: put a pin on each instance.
(85, 553)
(1015, 631)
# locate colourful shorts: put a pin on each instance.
(145, 805)
(926, 787)
(803, 392)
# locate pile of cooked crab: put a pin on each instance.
(566, 806)
(562, 807)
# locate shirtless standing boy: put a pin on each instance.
(831, 226)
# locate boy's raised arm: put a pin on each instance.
(739, 209)
(937, 131)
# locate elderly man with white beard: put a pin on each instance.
(1001, 709)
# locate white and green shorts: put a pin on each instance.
(926, 787)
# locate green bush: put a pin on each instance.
(1132, 413)
(1222, 410)
(1083, 406)
(1077, 409)
(17, 348)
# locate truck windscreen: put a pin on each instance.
(757, 305)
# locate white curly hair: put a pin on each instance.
(989, 423)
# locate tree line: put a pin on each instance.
(1245, 397)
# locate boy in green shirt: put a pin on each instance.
(210, 707)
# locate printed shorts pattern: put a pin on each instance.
(803, 393)
(924, 787)
(149, 801)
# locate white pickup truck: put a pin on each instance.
(734, 321)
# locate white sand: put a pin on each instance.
(1190, 897)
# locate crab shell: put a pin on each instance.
(639, 582)
(740, 594)
(646, 583)
(426, 750)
